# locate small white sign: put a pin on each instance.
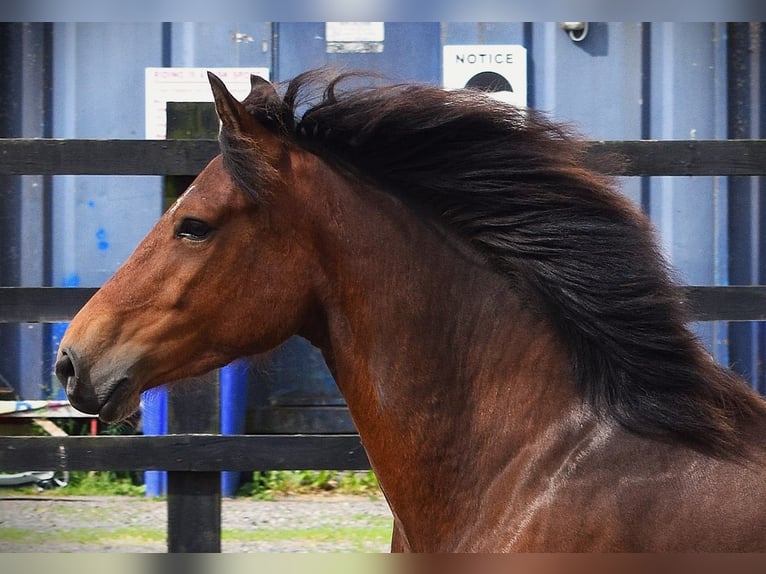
(165, 85)
(354, 37)
(500, 70)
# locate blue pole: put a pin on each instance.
(154, 420)
(234, 382)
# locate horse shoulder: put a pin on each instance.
(629, 493)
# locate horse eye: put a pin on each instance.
(193, 229)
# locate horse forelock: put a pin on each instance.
(512, 184)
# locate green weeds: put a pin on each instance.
(263, 485)
(270, 484)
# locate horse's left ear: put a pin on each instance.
(235, 119)
(258, 84)
(263, 100)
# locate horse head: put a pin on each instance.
(223, 274)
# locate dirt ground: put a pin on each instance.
(133, 524)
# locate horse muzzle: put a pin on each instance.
(112, 400)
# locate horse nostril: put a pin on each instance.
(65, 369)
(69, 371)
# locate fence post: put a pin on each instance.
(194, 511)
(194, 498)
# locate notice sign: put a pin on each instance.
(500, 70)
(165, 85)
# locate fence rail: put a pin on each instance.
(184, 452)
(193, 460)
(56, 304)
(189, 157)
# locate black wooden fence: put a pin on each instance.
(194, 461)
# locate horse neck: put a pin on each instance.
(445, 372)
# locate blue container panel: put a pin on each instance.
(411, 52)
(218, 44)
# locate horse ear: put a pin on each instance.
(237, 122)
(230, 111)
(258, 83)
(263, 97)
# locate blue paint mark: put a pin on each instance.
(102, 244)
(71, 280)
(91, 203)
(57, 333)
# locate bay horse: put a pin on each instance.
(511, 344)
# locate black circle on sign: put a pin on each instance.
(489, 82)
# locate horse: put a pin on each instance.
(512, 346)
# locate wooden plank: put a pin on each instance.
(50, 427)
(194, 405)
(104, 157)
(201, 453)
(194, 511)
(685, 158)
(194, 498)
(50, 304)
(188, 157)
(732, 303)
(42, 304)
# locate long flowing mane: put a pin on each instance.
(513, 185)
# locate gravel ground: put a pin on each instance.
(50, 524)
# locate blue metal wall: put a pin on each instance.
(412, 51)
(623, 81)
(25, 77)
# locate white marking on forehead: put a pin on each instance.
(180, 199)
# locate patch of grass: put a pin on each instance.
(83, 535)
(376, 532)
(102, 483)
(266, 485)
(269, 484)
(18, 535)
(22, 490)
(355, 538)
(84, 483)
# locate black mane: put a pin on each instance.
(513, 185)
